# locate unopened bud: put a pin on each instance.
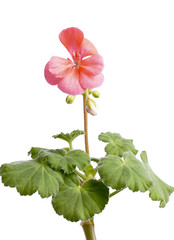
(96, 94)
(91, 107)
(89, 91)
(70, 99)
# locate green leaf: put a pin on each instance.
(77, 202)
(116, 144)
(31, 176)
(34, 151)
(160, 191)
(89, 170)
(69, 137)
(130, 172)
(61, 159)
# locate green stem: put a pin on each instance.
(88, 228)
(85, 121)
(70, 146)
(115, 192)
(80, 174)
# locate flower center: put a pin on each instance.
(76, 58)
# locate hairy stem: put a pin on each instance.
(85, 122)
(88, 228)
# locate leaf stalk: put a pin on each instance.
(115, 192)
(81, 175)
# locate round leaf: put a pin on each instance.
(130, 172)
(160, 191)
(61, 159)
(69, 137)
(31, 176)
(77, 202)
(116, 144)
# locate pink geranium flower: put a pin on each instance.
(82, 72)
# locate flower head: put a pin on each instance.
(83, 71)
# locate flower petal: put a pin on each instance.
(59, 66)
(87, 48)
(70, 83)
(51, 78)
(72, 39)
(91, 82)
(92, 66)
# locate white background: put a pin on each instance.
(136, 40)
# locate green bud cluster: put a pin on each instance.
(94, 93)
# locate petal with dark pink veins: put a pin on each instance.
(92, 66)
(72, 39)
(87, 49)
(70, 83)
(51, 78)
(59, 66)
(90, 82)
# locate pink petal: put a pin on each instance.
(51, 78)
(70, 83)
(87, 48)
(59, 66)
(72, 39)
(90, 82)
(92, 66)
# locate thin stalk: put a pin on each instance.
(88, 226)
(80, 174)
(85, 122)
(115, 192)
(70, 146)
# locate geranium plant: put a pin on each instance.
(69, 175)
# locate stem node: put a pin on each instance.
(88, 228)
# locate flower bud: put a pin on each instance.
(89, 91)
(91, 107)
(70, 99)
(96, 94)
